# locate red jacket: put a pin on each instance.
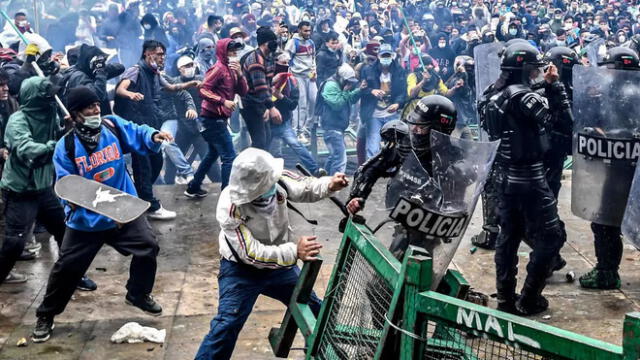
(220, 84)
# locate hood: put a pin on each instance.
(43, 45)
(35, 95)
(149, 19)
(87, 52)
(221, 50)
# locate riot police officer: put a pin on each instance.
(607, 237)
(433, 112)
(519, 116)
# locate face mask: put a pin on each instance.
(147, 26)
(386, 61)
(23, 23)
(442, 44)
(513, 32)
(154, 65)
(282, 68)
(266, 197)
(188, 73)
(622, 39)
(93, 121)
(284, 39)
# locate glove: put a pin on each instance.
(32, 49)
(97, 63)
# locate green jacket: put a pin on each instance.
(336, 105)
(31, 138)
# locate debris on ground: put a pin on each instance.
(22, 342)
(132, 333)
(571, 276)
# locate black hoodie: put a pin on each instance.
(155, 32)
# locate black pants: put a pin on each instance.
(533, 212)
(490, 206)
(79, 248)
(608, 244)
(20, 211)
(259, 130)
(146, 169)
(554, 164)
(186, 137)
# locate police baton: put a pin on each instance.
(33, 63)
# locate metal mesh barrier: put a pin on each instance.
(357, 317)
(448, 343)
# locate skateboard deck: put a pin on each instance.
(100, 198)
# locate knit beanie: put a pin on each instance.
(80, 97)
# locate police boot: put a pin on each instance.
(531, 301)
(507, 297)
(485, 240)
(558, 263)
(601, 279)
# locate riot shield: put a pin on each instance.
(606, 109)
(631, 219)
(439, 210)
(487, 65)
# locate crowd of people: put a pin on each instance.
(171, 82)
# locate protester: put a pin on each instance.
(88, 231)
(259, 249)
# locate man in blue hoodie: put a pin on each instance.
(95, 149)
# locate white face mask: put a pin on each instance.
(622, 39)
(92, 121)
(188, 73)
(513, 32)
(233, 59)
(23, 23)
(442, 44)
(147, 26)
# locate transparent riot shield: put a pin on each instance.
(439, 210)
(631, 219)
(487, 65)
(606, 109)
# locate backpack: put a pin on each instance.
(70, 144)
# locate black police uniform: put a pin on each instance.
(518, 116)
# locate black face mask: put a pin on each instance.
(282, 68)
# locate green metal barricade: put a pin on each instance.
(376, 307)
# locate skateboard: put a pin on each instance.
(100, 198)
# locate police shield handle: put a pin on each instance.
(308, 248)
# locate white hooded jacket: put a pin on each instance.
(266, 241)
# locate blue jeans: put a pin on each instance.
(373, 133)
(220, 144)
(173, 152)
(239, 286)
(285, 133)
(337, 159)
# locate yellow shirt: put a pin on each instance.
(412, 81)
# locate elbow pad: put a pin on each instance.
(535, 107)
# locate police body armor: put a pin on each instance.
(517, 116)
(605, 146)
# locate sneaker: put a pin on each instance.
(86, 284)
(195, 192)
(145, 303)
(181, 180)
(44, 328)
(303, 139)
(27, 255)
(161, 214)
(529, 306)
(601, 279)
(32, 245)
(15, 278)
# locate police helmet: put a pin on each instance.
(521, 56)
(431, 112)
(563, 58)
(621, 58)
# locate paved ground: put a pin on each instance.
(187, 289)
